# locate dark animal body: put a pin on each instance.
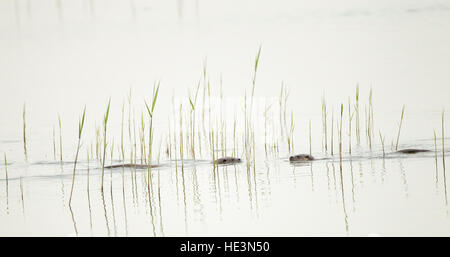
(301, 157)
(227, 160)
(413, 151)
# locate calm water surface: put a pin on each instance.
(59, 56)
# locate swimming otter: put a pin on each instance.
(227, 160)
(130, 165)
(413, 151)
(301, 157)
(223, 160)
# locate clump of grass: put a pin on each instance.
(400, 127)
(80, 131)
(24, 132)
(105, 125)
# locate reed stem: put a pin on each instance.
(382, 143)
(332, 132)
(400, 127)
(80, 131)
(310, 137)
(54, 143)
(358, 131)
(24, 132)
(60, 140)
(105, 123)
(6, 170)
(340, 137)
(350, 118)
(324, 123)
(443, 141)
(151, 112)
